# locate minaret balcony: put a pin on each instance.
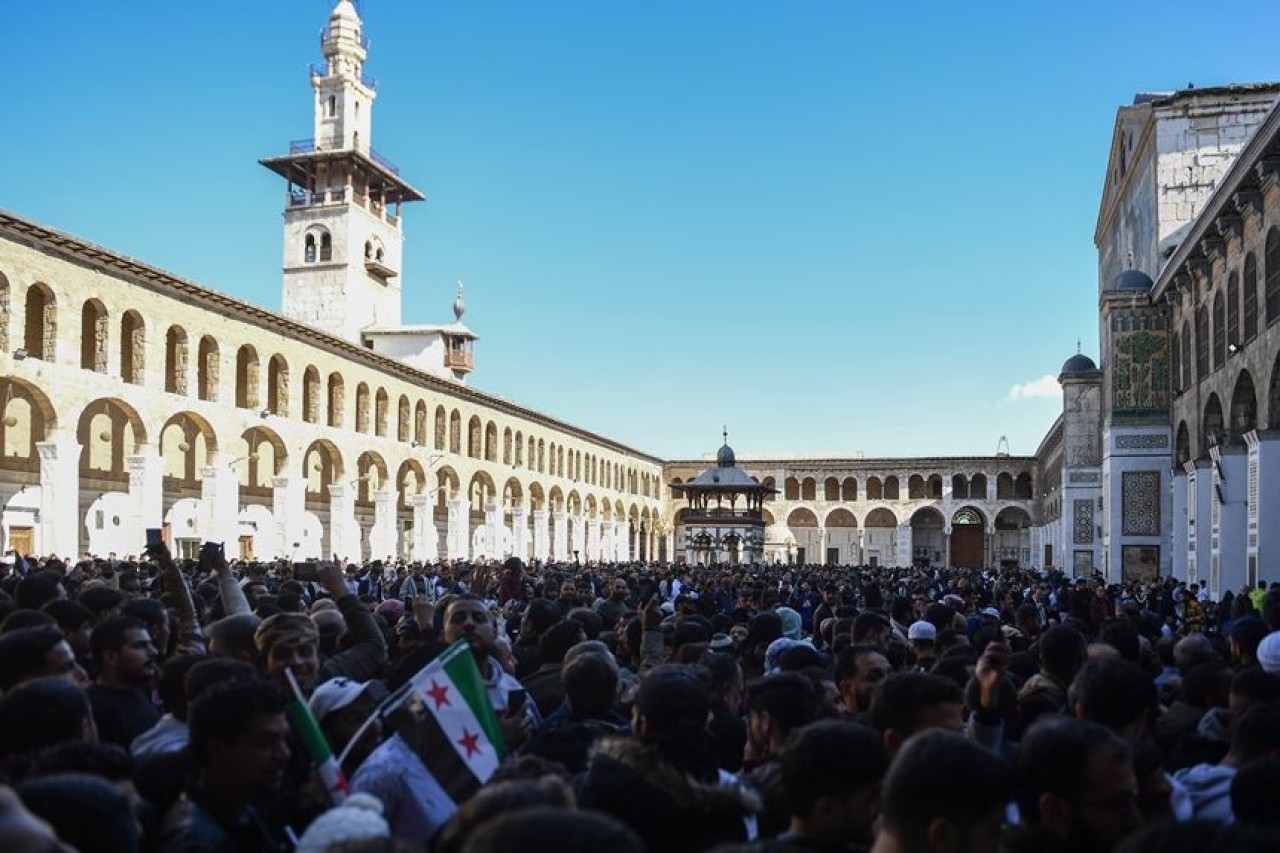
(378, 269)
(458, 359)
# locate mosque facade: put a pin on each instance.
(136, 399)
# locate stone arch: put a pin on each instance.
(808, 489)
(336, 401)
(441, 438)
(40, 335)
(766, 517)
(455, 431)
(371, 476)
(875, 489)
(768, 481)
(915, 487)
(1004, 486)
(933, 486)
(849, 489)
(322, 467)
(1212, 425)
(978, 487)
(969, 515)
(6, 312)
(519, 452)
(481, 491)
(891, 488)
(447, 484)
(27, 417)
(94, 334)
(411, 480)
(258, 457)
(1024, 486)
(590, 507)
(404, 423)
(537, 497)
(928, 536)
(362, 407)
(108, 430)
(311, 394)
(176, 355)
(881, 517)
(475, 443)
(791, 489)
(420, 423)
(801, 516)
(247, 377)
(1012, 518)
(491, 441)
(278, 386)
(381, 413)
(959, 486)
(555, 498)
(506, 446)
(831, 489)
(573, 502)
(968, 537)
(512, 492)
(840, 517)
(1182, 445)
(188, 444)
(1244, 405)
(133, 348)
(208, 369)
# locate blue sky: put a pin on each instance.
(832, 226)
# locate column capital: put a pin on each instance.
(339, 491)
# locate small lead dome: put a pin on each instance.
(725, 457)
(1131, 281)
(1079, 363)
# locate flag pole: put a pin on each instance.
(329, 768)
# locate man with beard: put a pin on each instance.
(467, 616)
(612, 608)
(1077, 790)
(126, 662)
(859, 671)
(240, 747)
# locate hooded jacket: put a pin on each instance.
(672, 795)
(1209, 786)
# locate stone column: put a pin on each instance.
(220, 505)
(592, 551)
(60, 521)
(344, 531)
(560, 537)
(822, 546)
(1264, 502)
(1178, 541)
(946, 546)
(577, 537)
(288, 503)
(146, 495)
(904, 545)
(1229, 550)
(458, 538)
(426, 545)
(383, 538)
(520, 532)
(541, 534)
(494, 527)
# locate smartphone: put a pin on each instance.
(155, 536)
(515, 701)
(304, 571)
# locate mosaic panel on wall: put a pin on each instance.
(1082, 522)
(1140, 503)
(1139, 362)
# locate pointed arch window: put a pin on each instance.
(326, 247)
(309, 249)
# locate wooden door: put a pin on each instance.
(22, 540)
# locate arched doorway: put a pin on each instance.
(802, 525)
(927, 538)
(880, 545)
(1012, 537)
(968, 538)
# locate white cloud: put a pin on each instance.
(1045, 386)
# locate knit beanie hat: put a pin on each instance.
(358, 819)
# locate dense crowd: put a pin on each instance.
(145, 706)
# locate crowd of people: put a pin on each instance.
(145, 706)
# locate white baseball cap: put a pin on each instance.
(334, 695)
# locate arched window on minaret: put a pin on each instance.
(309, 249)
(333, 106)
(326, 247)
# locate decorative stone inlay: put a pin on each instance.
(1140, 503)
(1084, 477)
(1141, 442)
(1082, 522)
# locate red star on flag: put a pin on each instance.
(470, 742)
(439, 693)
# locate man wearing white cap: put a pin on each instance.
(340, 706)
(923, 637)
